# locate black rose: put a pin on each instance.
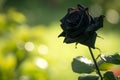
(78, 26)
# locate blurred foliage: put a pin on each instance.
(17, 42)
(45, 11)
(29, 47)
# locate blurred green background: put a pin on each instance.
(30, 48)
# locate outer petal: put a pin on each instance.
(69, 40)
(98, 23)
(62, 34)
(80, 7)
(90, 41)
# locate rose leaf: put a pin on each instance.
(81, 64)
(109, 76)
(113, 59)
(103, 65)
(89, 77)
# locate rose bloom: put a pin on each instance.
(80, 27)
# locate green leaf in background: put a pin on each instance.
(89, 77)
(113, 59)
(81, 64)
(109, 76)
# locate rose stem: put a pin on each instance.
(98, 71)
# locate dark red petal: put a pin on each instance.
(70, 9)
(86, 11)
(80, 7)
(74, 10)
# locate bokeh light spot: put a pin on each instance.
(29, 46)
(41, 63)
(112, 16)
(43, 49)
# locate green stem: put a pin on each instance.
(97, 69)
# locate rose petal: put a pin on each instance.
(98, 23)
(80, 7)
(90, 41)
